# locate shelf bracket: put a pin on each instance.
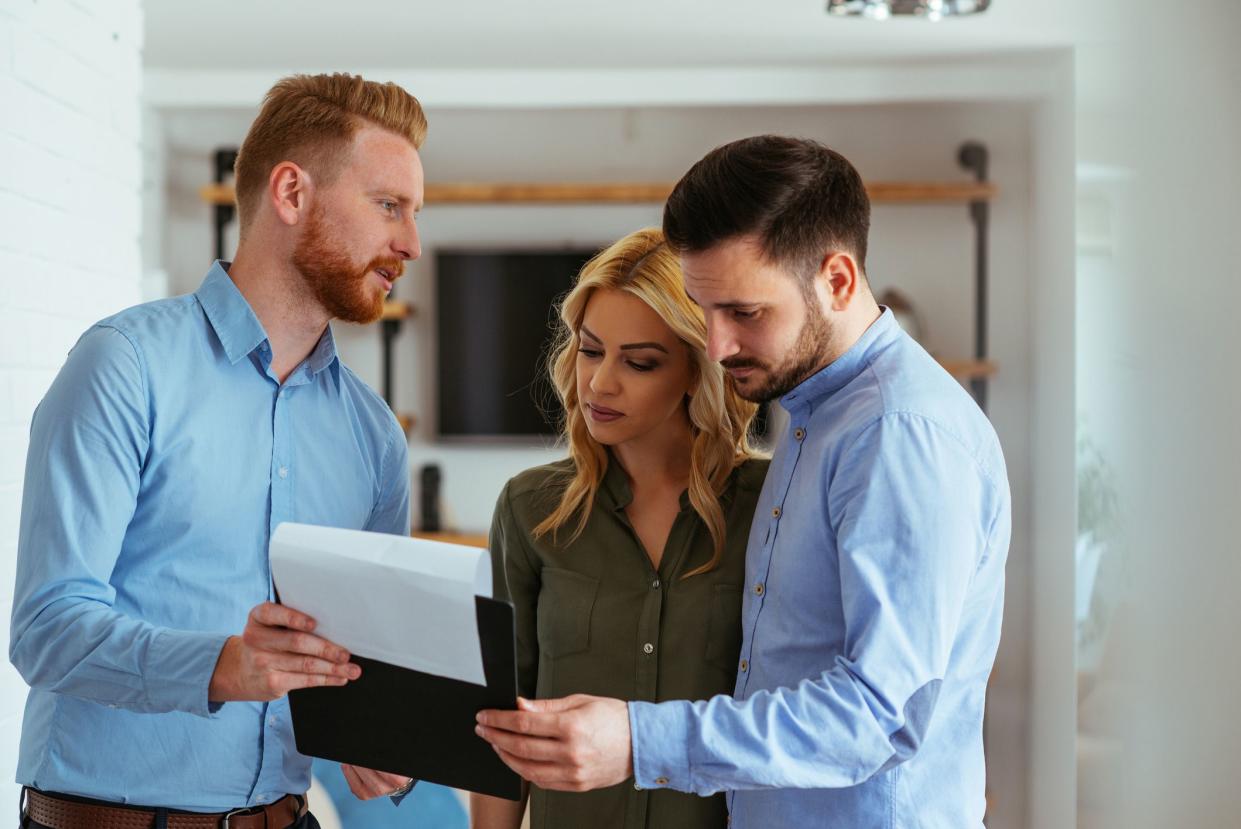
(973, 156)
(224, 159)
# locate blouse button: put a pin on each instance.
(661, 781)
(798, 434)
(648, 648)
(758, 589)
(745, 665)
(775, 512)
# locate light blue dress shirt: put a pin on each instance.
(161, 460)
(875, 586)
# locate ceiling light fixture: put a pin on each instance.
(883, 9)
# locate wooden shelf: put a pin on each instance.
(881, 192)
(468, 539)
(395, 310)
(970, 369)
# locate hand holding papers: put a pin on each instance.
(433, 646)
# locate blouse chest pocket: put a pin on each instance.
(566, 600)
(724, 627)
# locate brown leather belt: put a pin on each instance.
(61, 813)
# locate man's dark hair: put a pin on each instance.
(799, 198)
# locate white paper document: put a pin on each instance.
(405, 601)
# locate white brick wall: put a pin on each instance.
(70, 224)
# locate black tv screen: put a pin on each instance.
(494, 324)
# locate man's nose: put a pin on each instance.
(408, 245)
(721, 344)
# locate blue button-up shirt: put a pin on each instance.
(875, 584)
(161, 460)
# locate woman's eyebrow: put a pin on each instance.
(634, 346)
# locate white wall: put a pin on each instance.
(70, 219)
(925, 250)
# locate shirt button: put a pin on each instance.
(798, 434)
(661, 781)
(775, 512)
(271, 721)
(261, 798)
(758, 589)
(655, 584)
(283, 472)
(648, 648)
(745, 665)
(636, 787)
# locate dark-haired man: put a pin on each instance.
(174, 440)
(876, 559)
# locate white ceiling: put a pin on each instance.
(558, 34)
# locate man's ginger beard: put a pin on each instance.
(339, 284)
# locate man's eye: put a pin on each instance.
(741, 314)
(388, 205)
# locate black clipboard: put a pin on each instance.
(420, 725)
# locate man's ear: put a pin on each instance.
(289, 188)
(839, 278)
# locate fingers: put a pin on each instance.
(543, 774)
(298, 664)
(368, 783)
(522, 722)
(527, 748)
(283, 640)
(278, 615)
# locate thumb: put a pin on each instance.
(548, 706)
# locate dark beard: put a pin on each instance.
(807, 356)
(338, 283)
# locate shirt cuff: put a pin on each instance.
(660, 740)
(178, 671)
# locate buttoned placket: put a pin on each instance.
(283, 477)
(646, 672)
(796, 440)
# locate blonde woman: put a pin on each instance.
(625, 561)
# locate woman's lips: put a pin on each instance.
(602, 414)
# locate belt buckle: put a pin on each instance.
(228, 816)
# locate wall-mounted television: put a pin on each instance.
(494, 313)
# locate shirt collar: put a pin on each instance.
(844, 369)
(239, 330)
(617, 492)
(235, 324)
(615, 484)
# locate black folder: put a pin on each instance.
(420, 725)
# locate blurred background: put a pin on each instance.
(1056, 193)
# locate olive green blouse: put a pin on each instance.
(595, 617)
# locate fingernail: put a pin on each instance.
(354, 672)
(478, 729)
(478, 717)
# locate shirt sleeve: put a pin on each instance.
(913, 514)
(88, 444)
(391, 511)
(517, 579)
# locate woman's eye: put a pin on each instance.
(642, 366)
(588, 352)
(740, 314)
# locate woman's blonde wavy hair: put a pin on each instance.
(643, 266)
